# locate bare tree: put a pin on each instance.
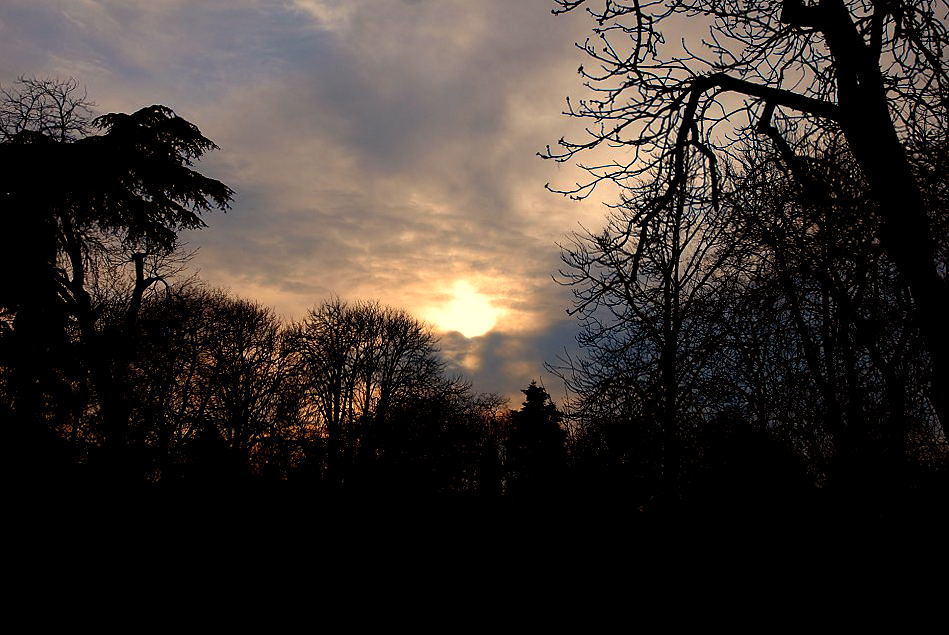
(873, 71)
(214, 386)
(647, 292)
(358, 360)
(59, 109)
(245, 374)
(821, 345)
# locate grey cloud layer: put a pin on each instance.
(378, 148)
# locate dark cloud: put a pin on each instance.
(504, 363)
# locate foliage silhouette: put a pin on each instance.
(536, 453)
(72, 201)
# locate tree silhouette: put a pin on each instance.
(58, 109)
(873, 72)
(647, 293)
(442, 440)
(821, 344)
(358, 361)
(210, 372)
(535, 445)
(792, 338)
(72, 200)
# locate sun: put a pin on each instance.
(468, 312)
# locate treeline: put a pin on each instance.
(116, 369)
(745, 340)
(212, 389)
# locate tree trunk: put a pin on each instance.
(906, 233)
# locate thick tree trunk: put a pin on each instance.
(908, 241)
(906, 232)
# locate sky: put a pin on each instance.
(379, 149)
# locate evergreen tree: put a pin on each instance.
(535, 446)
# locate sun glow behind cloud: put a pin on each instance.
(467, 312)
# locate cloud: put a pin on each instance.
(505, 363)
(378, 149)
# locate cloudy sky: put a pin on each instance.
(379, 149)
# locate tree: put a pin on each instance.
(359, 361)
(871, 71)
(536, 456)
(210, 373)
(58, 109)
(821, 349)
(647, 294)
(442, 440)
(71, 200)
